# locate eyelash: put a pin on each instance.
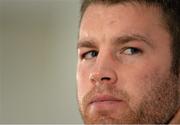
(83, 56)
(137, 51)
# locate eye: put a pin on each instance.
(131, 51)
(89, 55)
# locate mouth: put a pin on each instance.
(105, 103)
(105, 99)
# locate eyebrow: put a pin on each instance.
(86, 44)
(132, 37)
(117, 41)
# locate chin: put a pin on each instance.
(101, 120)
(107, 119)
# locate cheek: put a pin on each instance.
(141, 80)
(83, 82)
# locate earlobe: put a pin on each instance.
(179, 87)
(176, 119)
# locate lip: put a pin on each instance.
(105, 98)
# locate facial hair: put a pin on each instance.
(157, 105)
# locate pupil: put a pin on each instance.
(133, 50)
(94, 53)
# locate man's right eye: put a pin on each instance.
(89, 55)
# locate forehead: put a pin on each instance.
(114, 13)
(120, 18)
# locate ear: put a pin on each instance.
(179, 76)
(179, 72)
(179, 85)
(176, 118)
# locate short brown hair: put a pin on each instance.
(170, 9)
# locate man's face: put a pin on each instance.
(124, 66)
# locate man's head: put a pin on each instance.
(128, 65)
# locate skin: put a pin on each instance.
(124, 66)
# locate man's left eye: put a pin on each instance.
(132, 51)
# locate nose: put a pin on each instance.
(102, 78)
(103, 73)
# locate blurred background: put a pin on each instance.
(38, 61)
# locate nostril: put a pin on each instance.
(105, 78)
